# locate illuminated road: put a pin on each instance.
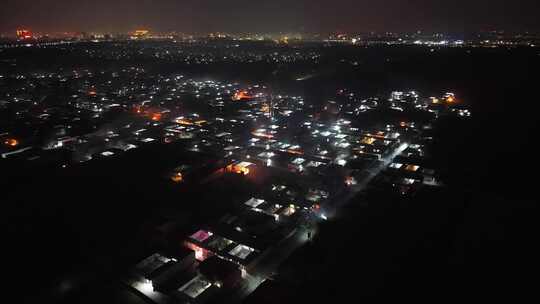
(374, 170)
(270, 262)
(371, 172)
(306, 77)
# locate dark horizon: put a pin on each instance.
(279, 16)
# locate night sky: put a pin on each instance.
(269, 16)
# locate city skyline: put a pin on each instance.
(245, 16)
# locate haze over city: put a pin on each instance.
(270, 16)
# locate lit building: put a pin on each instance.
(24, 34)
(179, 174)
(11, 142)
(177, 177)
(139, 34)
(243, 168)
(241, 95)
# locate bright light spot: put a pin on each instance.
(145, 287)
(341, 162)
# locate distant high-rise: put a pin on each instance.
(139, 34)
(24, 34)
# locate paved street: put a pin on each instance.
(269, 263)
